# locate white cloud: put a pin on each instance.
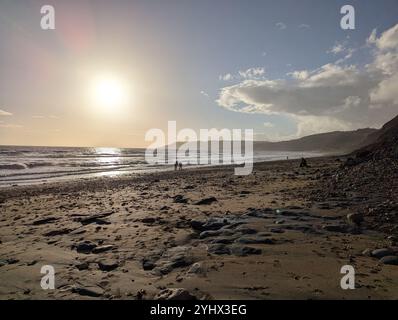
(5, 113)
(226, 77)
(268, 125)
(304, 26)
(301, 75)
(252, 73)
(204, 93)
(388, 39)
(337, 48)
(335, 96)
(281, 25)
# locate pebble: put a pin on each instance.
(390, 260)
(108, 265)
(380, 253)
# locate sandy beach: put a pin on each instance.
(206, 231)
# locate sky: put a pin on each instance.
(112, 70)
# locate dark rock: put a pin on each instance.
(255, 240)
(390, 260)
(180, 199)
(148, 264)
(85, 247)
(11, 261)
(206, 201)
(380, 253)
(82, 265)
(58, 232)
(101, 249)
(223, 240)
(90, 291)
(245, 251)
(208, 234)
(44, 221)
(218, 249)
(108, 265)
(335, 228)
(355, 218)
(276, 230)
(197, 225)
(148, 220)
(246, 230)
(96, 218)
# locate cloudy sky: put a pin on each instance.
(111, 70)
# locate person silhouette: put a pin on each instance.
(175, 166)
(180, 165)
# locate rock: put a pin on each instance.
(255, 240)
(196, 268)
(224, 240)
(208, 234)
(180, 199)
(335, 228)
(58, 232)
(197, 225)
(280, 221)
(101, 249)
(244, 251)
(96, 218)
(108, 265)
(380, 253)
(85, 247)
(148, 220)
(82, 265)
(246, 230)
(276, 230)
(148, 264)
(90, 291)
(390, 260)
(367, 252)
(12, 261)
(31, 263)
(218, 249)
(174, 294)
(206, 201)
(44, 221)
(355, 218)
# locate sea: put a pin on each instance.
(36, 165)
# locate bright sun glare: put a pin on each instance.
(109, 92)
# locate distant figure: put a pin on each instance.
(180, 165)
(287, 157)
(303, 163)
(175, 166)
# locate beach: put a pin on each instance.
(200, 233)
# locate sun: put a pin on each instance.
(109, 92)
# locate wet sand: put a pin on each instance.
(213, 234)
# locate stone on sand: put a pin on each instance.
(108, 265)
(174, 294)
(391, 260)
(380, 253)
